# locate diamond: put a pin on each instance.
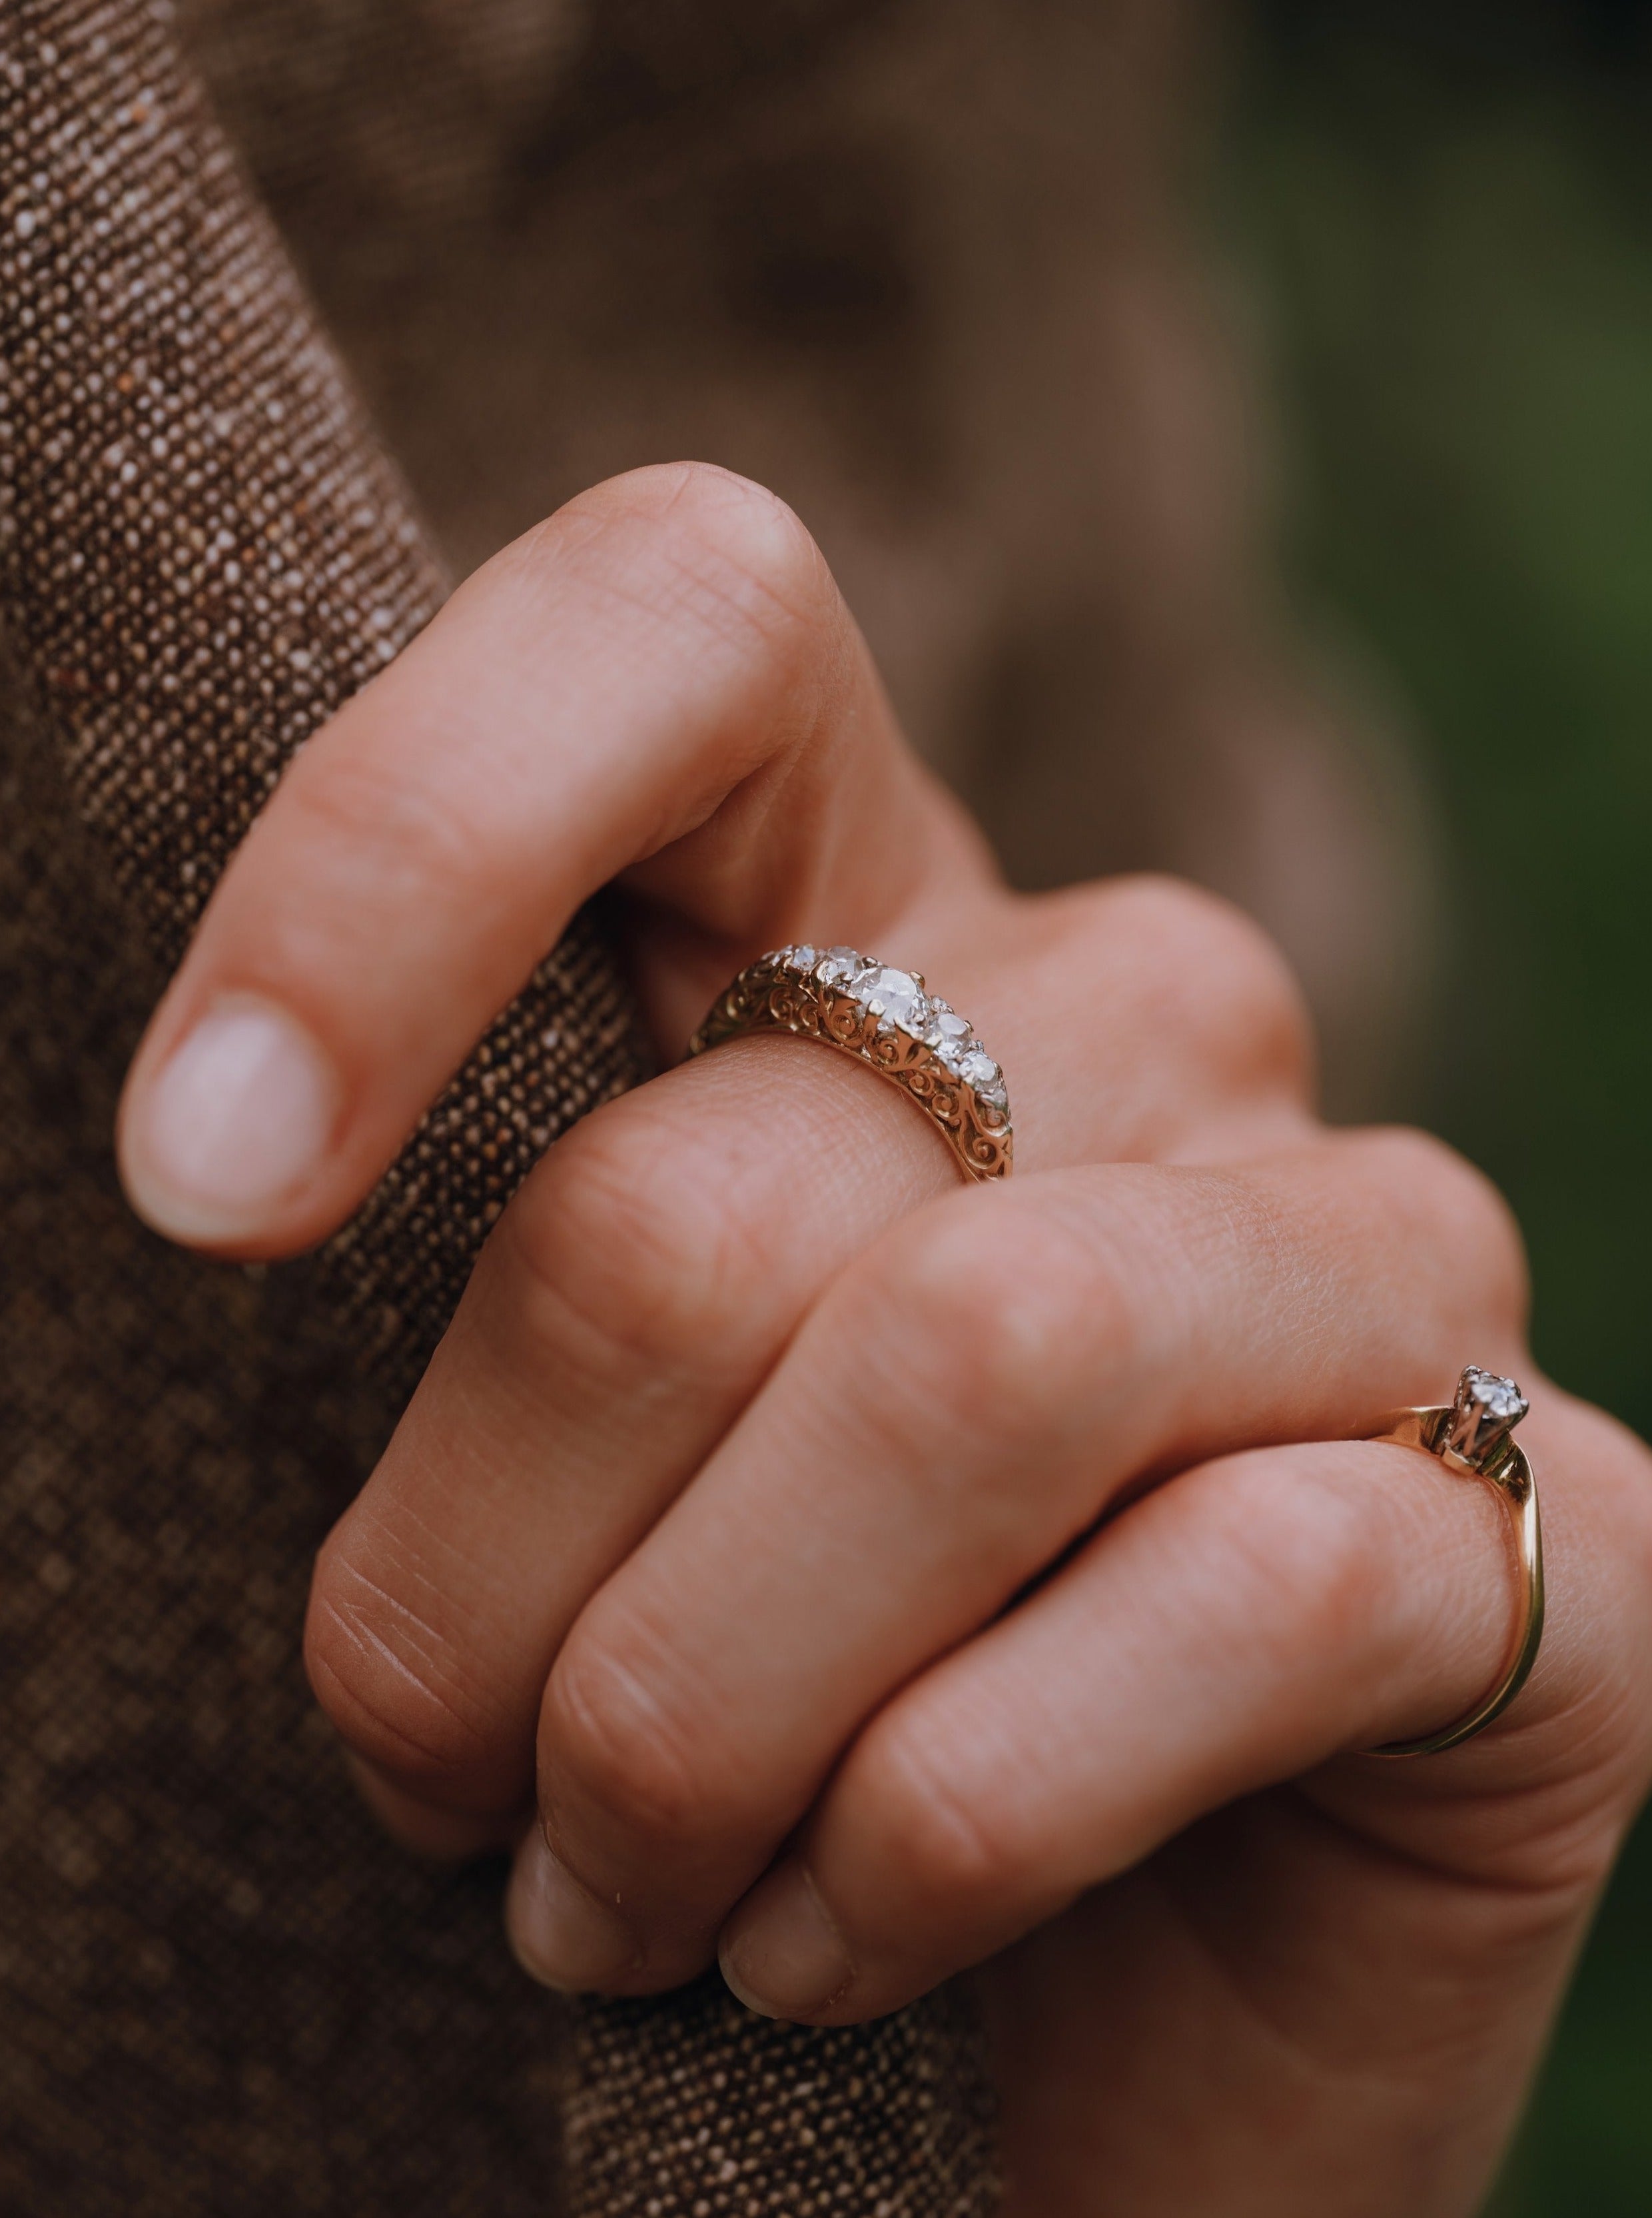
(978, 1070)
(1484, 1413)
(838, 965)
(1500, 1398)
(799, 958)
(948, 1036)
(894, 995)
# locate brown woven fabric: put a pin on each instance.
(697, 2108)
(208, 553)
(229, 1995)
(221, 1991)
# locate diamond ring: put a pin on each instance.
(1475, 1435)
(887, 1019)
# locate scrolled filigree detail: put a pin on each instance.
(887, 1019)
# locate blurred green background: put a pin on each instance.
(1444, 214)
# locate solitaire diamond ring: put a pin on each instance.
(1475, 1435)
(887, 1019)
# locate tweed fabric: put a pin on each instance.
(232, 1997)
(222, 1994)
(204, 544)
(788, 2119)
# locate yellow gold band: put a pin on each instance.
(1474, 1436)
(887, 1019)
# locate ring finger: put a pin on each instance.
(1246, 1622)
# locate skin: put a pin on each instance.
(812, 1563)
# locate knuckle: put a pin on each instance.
(625, 1236)
(1324, 1572)
(715, 515)
(391, 1684)
(1301, 1541)
(965, 1852)
(694, 539)
(1215, 971)
(984, 1318)
(615, 1736)
(1454, 1208)
(401, 835)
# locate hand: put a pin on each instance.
(868, 1576)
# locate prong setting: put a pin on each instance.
(1485, 1411)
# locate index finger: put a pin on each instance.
(591, 698)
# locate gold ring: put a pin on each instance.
(887, 1019)
(1475, 1436)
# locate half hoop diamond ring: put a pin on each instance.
(887, 1019)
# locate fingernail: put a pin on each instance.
(239, 1115)
(562, 1936)
(786, 1958)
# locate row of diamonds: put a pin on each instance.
(900, 1002)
